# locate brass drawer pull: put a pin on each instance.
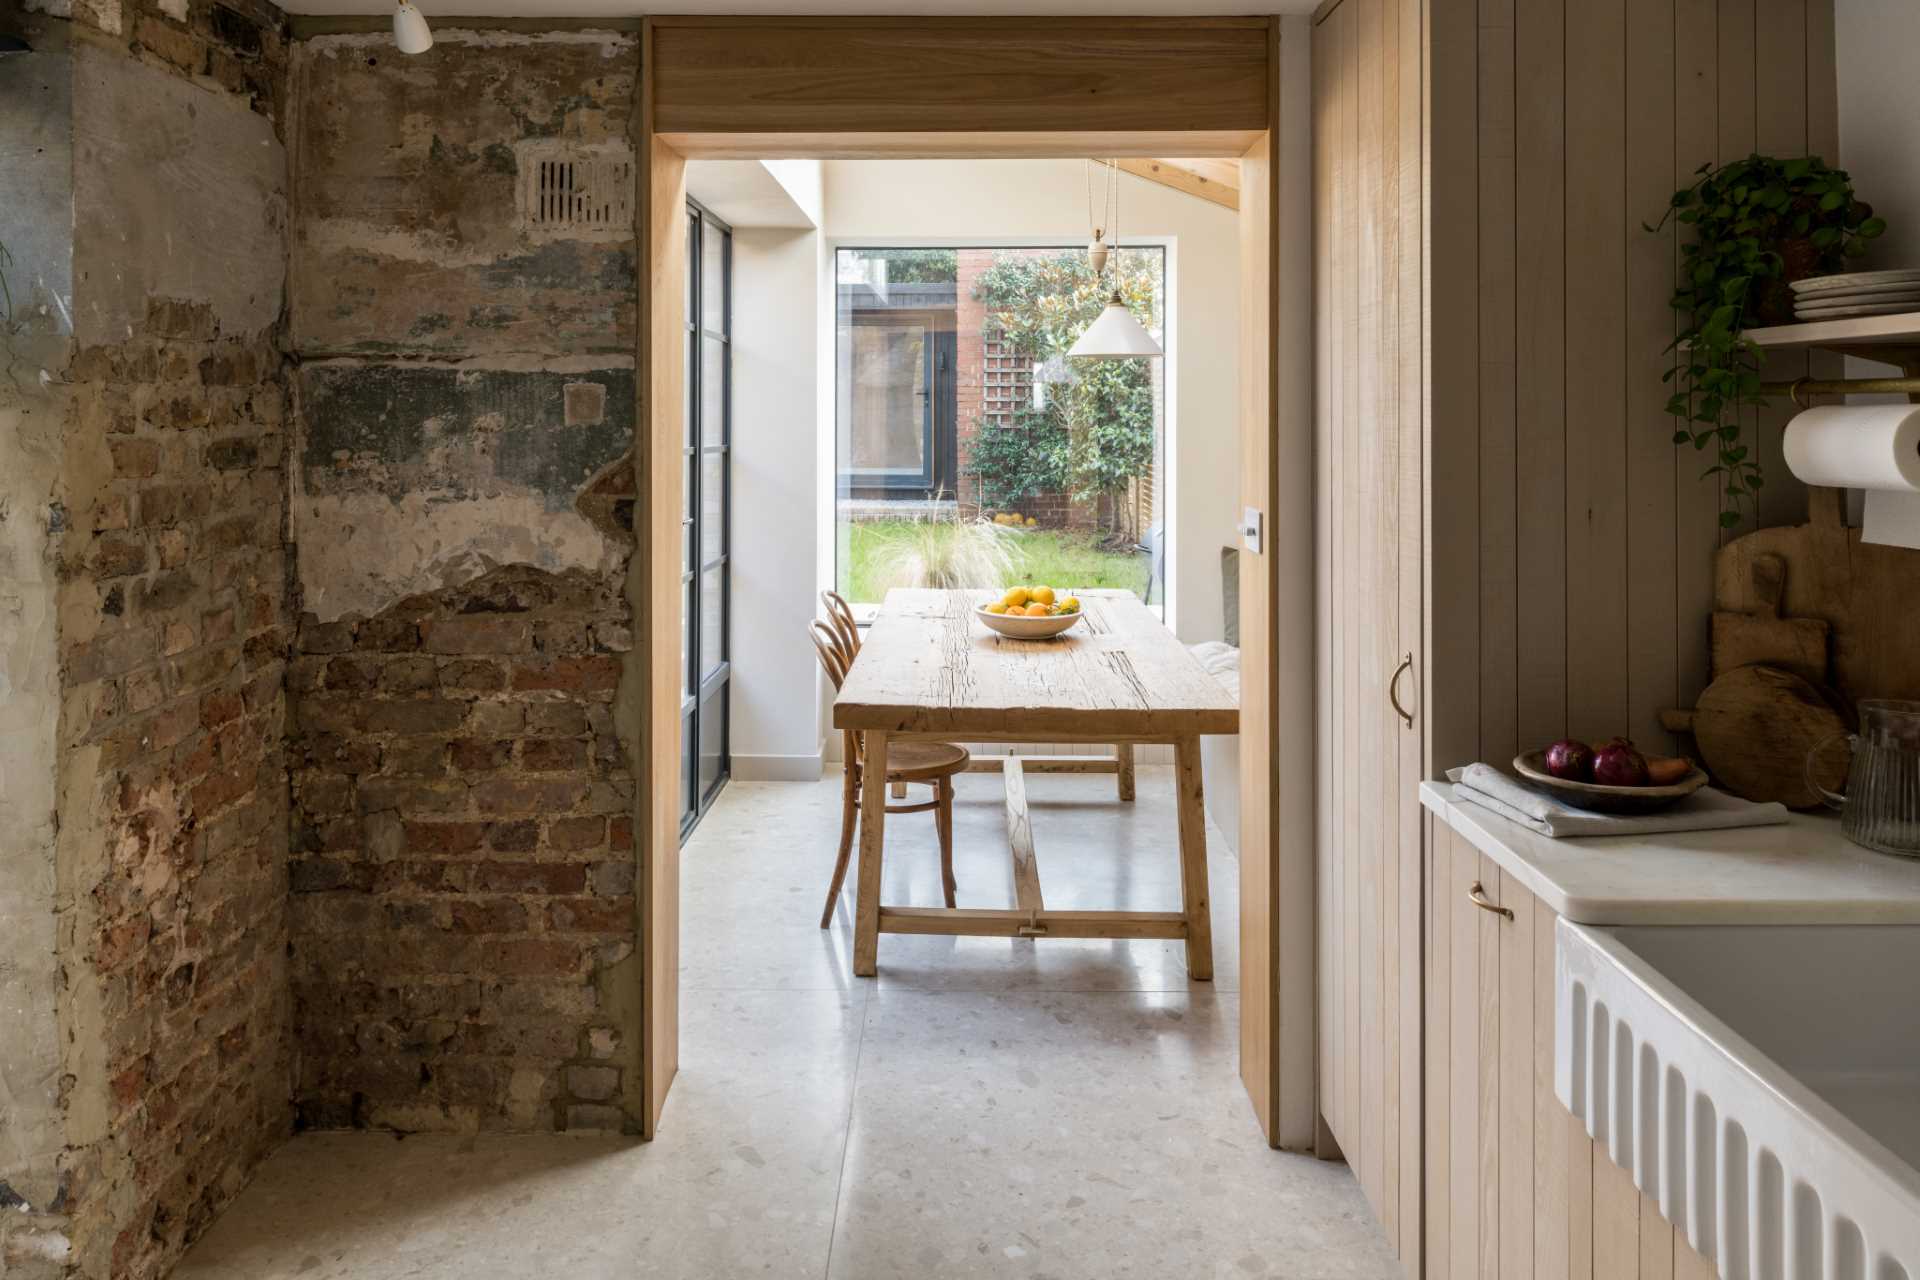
(1478, 897)
(1393, 689)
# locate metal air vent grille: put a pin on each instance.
(574, 194)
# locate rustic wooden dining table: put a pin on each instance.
(929, 669)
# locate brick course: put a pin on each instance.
(458, 884)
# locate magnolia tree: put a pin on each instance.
(1092, 433)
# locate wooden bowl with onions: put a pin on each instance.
(1598, 798)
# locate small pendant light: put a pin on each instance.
(1115, 334)
(410, 32)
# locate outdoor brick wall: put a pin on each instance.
(175, 569)
(989, 381)
(463, 873)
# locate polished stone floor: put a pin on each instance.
(985, 1107)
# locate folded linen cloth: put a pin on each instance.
(1704, 810)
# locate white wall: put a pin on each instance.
(1045, 202)
(1875, 42)
(1874, 46)
(776, 719)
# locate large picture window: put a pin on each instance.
(970, 449)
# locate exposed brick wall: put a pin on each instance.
(237, 46)
(174, 654)
(462, 913)
(168, 538)
(463, 874)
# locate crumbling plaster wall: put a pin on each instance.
(147, 550)
(36, 229)
(463, 913)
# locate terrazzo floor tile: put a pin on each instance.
(1073, 1134)
(742, 1179)
(1066, 1108)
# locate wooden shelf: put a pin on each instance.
(1901, 330)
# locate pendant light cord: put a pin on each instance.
(1109, 205)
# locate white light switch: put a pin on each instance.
(1250, 523)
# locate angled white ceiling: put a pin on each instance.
(437, 9)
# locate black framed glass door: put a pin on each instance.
(706, 586)
(901, 404)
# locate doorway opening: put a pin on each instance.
(729, 89)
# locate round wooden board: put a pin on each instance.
(1754, 727)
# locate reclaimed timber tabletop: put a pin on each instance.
(928, 666)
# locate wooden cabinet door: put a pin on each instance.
(1369, 543)
(1514, 1187)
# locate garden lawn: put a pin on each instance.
(1040, 557)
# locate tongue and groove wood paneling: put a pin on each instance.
(1369, 450)
(1584, 602)
(1499, 496)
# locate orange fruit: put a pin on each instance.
(1037, 611)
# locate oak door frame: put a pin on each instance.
(1200, 108)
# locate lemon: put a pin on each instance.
(1040, 595)
(996, 607)
(1070, 605)
(1015, 598)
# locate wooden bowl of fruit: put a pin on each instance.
(1029, 613)
(1611, 778)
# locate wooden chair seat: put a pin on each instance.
(924, 761)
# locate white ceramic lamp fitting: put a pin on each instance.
(410, 31)
(1116, 335)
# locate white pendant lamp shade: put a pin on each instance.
(410, 32)
(1116, 335)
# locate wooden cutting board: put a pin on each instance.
(1867, 594)
(1763, 636)
(1754, 727)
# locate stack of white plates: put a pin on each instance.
(1863, 293)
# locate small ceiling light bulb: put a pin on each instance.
(410, 33)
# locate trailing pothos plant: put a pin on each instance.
(1759, 224)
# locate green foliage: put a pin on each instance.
(1758, 224)
(942, 552)
(1043, 305)
(1058, 558)
(1095, 433)
(1023, 460)
(920, 266)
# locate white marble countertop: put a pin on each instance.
(1801, 872)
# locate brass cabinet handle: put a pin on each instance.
(1393, 689)
(1478, 897)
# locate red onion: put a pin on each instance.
(1570, 760)
(1617, 764)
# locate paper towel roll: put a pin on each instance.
(1857, 446)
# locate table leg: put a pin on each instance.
(1123, 768)
(1191, 803)
(873, 835)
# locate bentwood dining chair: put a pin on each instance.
(931, 763)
